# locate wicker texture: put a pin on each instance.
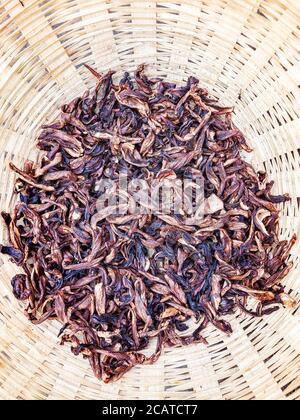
(247, 53)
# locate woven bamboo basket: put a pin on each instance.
(246, 52)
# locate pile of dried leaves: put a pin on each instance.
(118, 283)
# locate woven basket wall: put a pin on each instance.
(247, 53)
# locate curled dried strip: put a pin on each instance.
(117, 282)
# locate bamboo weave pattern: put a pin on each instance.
(245, 52)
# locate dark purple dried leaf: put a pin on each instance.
(116, 281)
